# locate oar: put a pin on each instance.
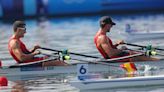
(30, 63)
(53, 54)
(98, 58)
(113, 60)
(69, 52)
(128, 67)
(142, 46)
(94, 62)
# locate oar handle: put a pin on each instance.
(69, 52)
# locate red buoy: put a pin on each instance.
(3, 81)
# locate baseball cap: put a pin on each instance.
(19, 24)
(106, 20)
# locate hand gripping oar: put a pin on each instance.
(143, 46)
(69, 52)
(98, 58)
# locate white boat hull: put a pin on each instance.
(118, 82)
(17, 71)
(50, 70)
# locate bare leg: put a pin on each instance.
(54, 63)
(144, 58)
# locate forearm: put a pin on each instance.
(115, 52)
(32, 50)
(35, 47)
(25, 57)
(116, 45)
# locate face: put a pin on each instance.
(108, 27)
(21, 31)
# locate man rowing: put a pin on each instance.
(19, 51)
(109, 50)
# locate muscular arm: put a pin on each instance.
(118, 43)
(18, 52)
(107, 47)
(35, 47)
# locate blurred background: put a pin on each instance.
(14, 9)
(72, 24)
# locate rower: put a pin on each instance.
(109, 50)
(19, 51)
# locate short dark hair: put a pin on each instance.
(17, 24)
(106, 20)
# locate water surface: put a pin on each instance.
(76, 34)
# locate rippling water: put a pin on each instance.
(76, 34)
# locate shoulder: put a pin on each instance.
(14, 43)
(102, 37)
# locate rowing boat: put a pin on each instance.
(118, 82)
(72, 68)
(17, 71)
(142, 35)
(28, 70)
(94, 66)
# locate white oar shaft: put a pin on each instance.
(95, 62)
(30, 63)
(121, 58)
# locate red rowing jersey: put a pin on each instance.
(24, 50)
(104, 54)
(100, 49)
